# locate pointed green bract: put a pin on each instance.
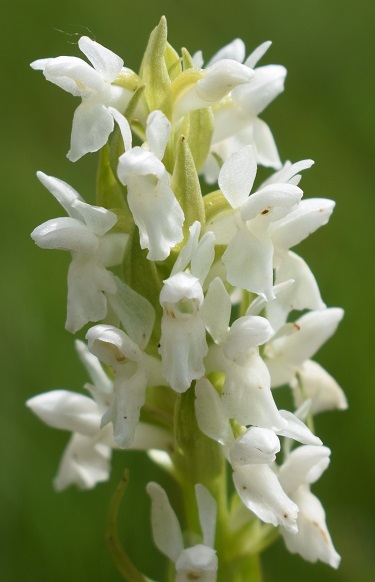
(172, 61)
(154, 71)
(199, 131)
(109, 192)
(186, 186)
(142, 276)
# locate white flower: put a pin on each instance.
(85, 234)
(218, 80)
(236, 118)
(246, 393)
(94, 119)
(151, 200)
(183, 344)
(303, 467)
(248, 228)
(252, 455)
(297, 342)
(198, 562)
(86, 459)
(134, 371)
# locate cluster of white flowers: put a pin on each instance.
(206, 300)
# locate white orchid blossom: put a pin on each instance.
(247, 228)
(303, 467)
(86, 460)
(198, 562)
(236, 118)
(94, 118)
(183, 344)
(252, 455)
(218, 80)
(134, 370)
(85, 233)
(149, 192)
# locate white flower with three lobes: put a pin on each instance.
(197, 562)
(251, 228)
(96, 85)
(303, 467)
(151, 200)
(85, 233)
(183, 343)
(87, 457)
(252, 455)
(134, 371)
(236, 117)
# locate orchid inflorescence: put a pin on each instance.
(199, 324)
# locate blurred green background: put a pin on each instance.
(326, 113)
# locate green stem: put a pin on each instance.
(119, 556)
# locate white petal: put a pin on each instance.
(221, 78)
(320, 387)
(312, 541)
(247, 397)
(98, 219)
(63, 193)
(134, 311)
(159, 230)
(210, 413)
(188, 250)
(139, 162)
(297, 430)
(234, 50)
(107, 63)
(289, 173)
(207, 514)
(85, 463)
(288, 353)
(124, 126)
(165, 527)
(67, 411)
(203, 257)
(216, 310)
(88, 282)
(257, 54)
(267, 84)
(237, 176)
(245, 251)
(127, 401)
(158, 130)
(197, 563)
(111, 248)
(112, 346)
(304, 465)
(256, 445)
(261, 492)
(66, 234)
(183, 347)
(103, 385)
(271, 202)
(92, 124)
(265, 146)
(302, 294)
(310, 215)
(73, 75)
(246, 333)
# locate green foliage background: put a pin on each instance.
(326, 113)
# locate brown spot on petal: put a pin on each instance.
(265, 211)
(286, 515)
(298, 327)
(193, 575)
